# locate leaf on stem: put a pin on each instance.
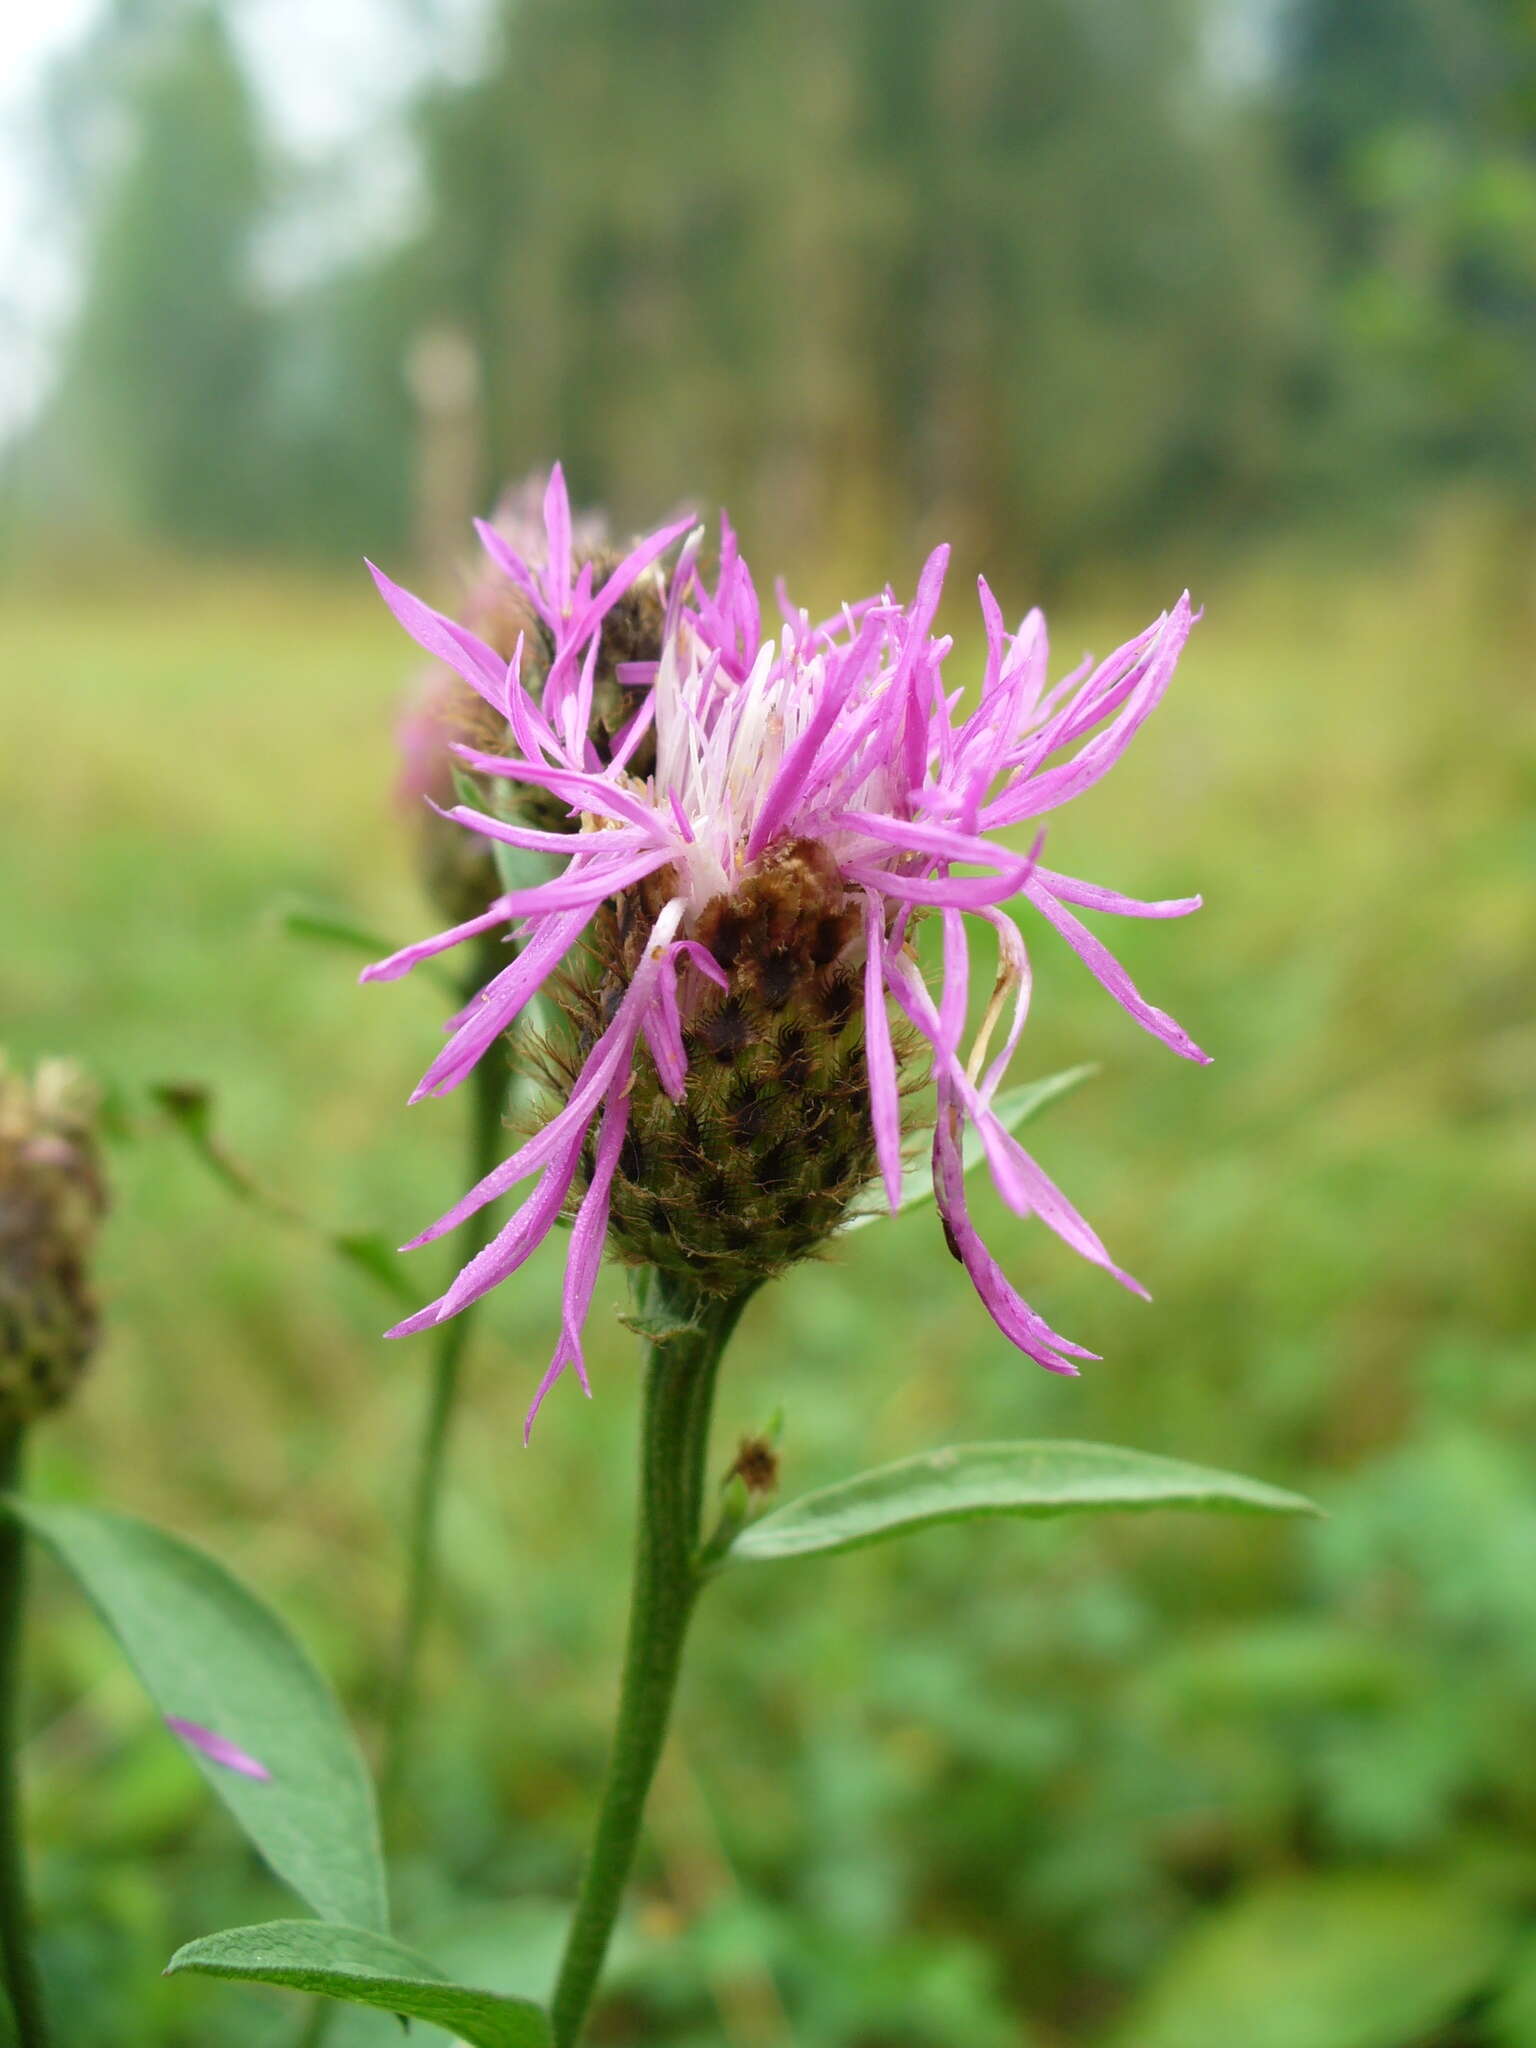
(364, 1969)
(652, 1314)
(214, 1657)
(372, 1253)
(189, 1105)
(335, 928)
(967, 1481)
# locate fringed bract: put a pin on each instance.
(755, 1168)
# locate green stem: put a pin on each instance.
(487, 1098)
(21, 1979)
(487, 1092)
(679, 1394)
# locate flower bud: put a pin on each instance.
(757, 1465)
(51, 1201)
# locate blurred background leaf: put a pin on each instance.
(1357, 1960)
(220, 1666)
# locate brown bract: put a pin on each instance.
(756, 1465)
(755, 1168)
(51, 1201)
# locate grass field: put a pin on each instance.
(992, 1786)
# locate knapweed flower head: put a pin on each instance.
(730, 938)
(51, 1201)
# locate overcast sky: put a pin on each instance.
(32, 287)
(333, 76)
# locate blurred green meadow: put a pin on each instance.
(1146, 1783)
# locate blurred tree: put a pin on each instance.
(1012, 271)
(159, 407)
(343, 429)
(1412, 131)
(1094, 300)
(1036, 274)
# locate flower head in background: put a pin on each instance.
(732, 929)
(51, 1201)
(457, 868)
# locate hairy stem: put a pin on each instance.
(487, 1096)
(679, 1394)
(22, 1985)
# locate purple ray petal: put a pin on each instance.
(501, 1001)
(482, 668)
(1066, 889)
(614, 840)
(424, 949)
(1103, 965)
(884, 1092)
(964, 892)
(628, 573)
(218, 1748)
(1012, 1314)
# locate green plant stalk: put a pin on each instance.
(487, 1098)
(22, 1983)
(679, 1396)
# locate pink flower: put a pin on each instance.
(838, 748)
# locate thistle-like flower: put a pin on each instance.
(51, 1201)
(734, 922)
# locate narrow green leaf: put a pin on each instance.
(209, 1652)
(517, 868)
(1014, 1107)
(334, 928)
(1350, 1959)
(969, 1480)
(190, 1106)
(372, 1253)
(364, 1969)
